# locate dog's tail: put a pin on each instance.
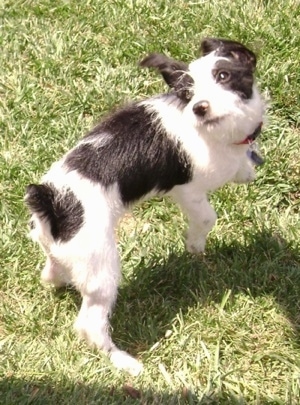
(40, 199)
(60, 209)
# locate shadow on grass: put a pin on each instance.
(44, 391)
(265, 265)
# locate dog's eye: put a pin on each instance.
(223, 76)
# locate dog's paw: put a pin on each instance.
(245, 179)
(245, 175)
(123, 361)
(195, 246)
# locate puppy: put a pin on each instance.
(184, 144)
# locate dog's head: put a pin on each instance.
(218, 89)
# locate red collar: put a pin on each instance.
(251, 138)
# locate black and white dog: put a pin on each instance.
(185, 143)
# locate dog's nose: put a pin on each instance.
(201, 108)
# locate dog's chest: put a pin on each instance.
(216, 165)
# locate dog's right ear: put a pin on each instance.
(175, 73)
(229, 49)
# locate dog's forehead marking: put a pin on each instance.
(205, 70)
(205, 65)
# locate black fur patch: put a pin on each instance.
(239, 78)
(240, 66)
(137, 154)
(63, 211)
(229, 49)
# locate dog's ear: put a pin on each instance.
(175, 73)
(229, 49)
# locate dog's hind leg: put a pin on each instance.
(54, 273)
(98, 285)
(92, 324)
(201, 216)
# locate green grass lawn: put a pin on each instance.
(223, 328)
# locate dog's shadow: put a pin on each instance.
(152, 297)
(148, 302)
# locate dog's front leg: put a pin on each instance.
(201, 216)
(246, 172)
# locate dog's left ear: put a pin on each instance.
(229, 49)
(175, 73)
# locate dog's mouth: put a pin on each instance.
(252, 137)
(213, 121)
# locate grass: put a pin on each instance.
(218, 329)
